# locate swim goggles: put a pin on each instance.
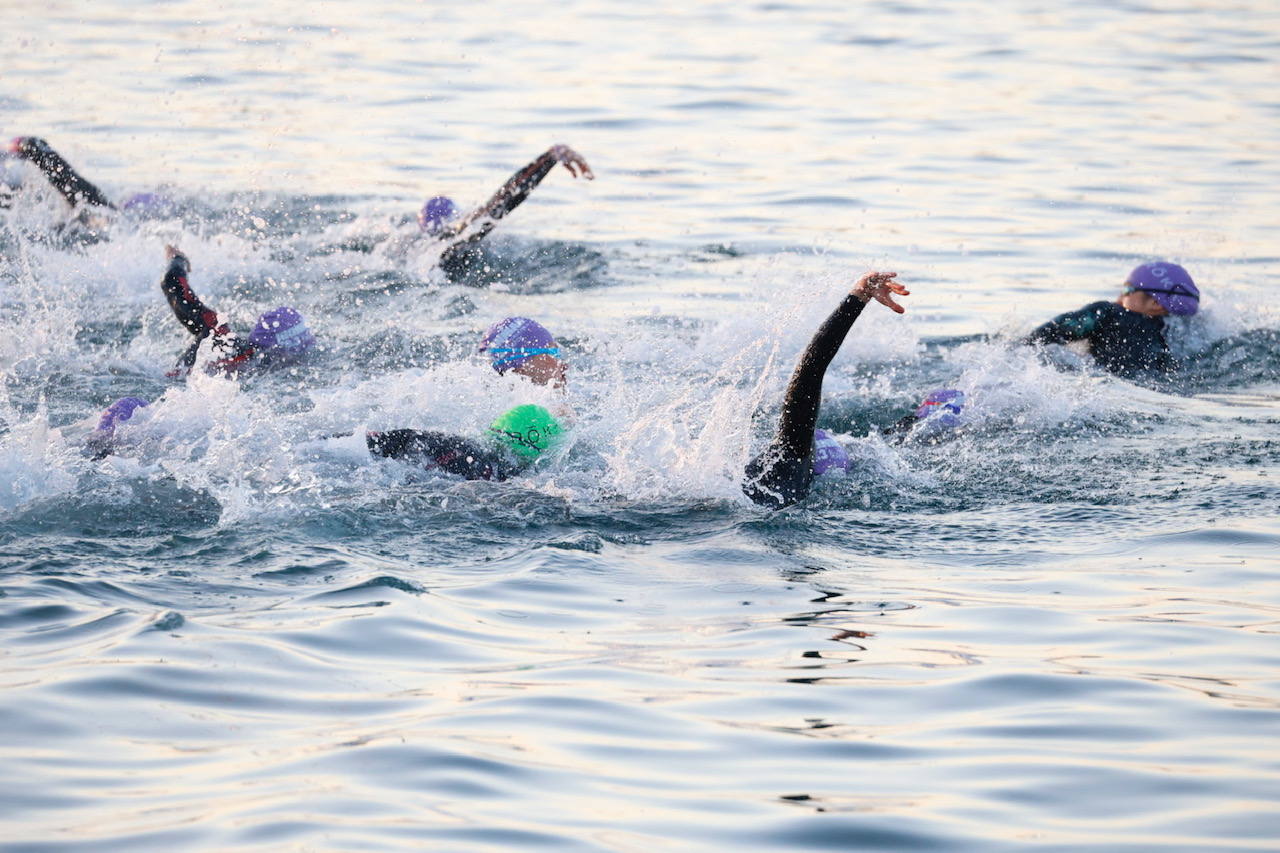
(1175, 289)
(508, 355)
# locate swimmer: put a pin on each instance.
(77, 191)
(103, 441)
(90, 207)
(940, 411)
(439, 218)
(1127, 336)
(784, 472)
(524, 347)
(516, 440)
(279, 338)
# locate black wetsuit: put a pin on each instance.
(449, 453)
(1122, 341)
(69, 184)
(464, 235)
(235, 353)
(783, 473)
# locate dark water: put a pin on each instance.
(1054, 630)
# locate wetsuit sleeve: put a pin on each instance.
(196, 317)
(66, 180)
(201, 321)
(782, 474)
(804, 392)
(901, 427)
(452, 454)
(1071, 326)
(478, 223)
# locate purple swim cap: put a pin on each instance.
(282, 330)
(117, 413)
(515, 340)
(828, 455)
(1170, 284)
(154, 204)
(944, 404)
(435, 213)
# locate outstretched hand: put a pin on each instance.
(572, 161)
(881, 287)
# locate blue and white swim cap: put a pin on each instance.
(514, 340)
(943, 406)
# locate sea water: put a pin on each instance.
(1054, 629)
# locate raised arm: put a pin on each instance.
(804, 392)
(200, 320)
(782, 474)
(72, 187)
(479, 222)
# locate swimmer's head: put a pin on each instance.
(1168, 284)
(149, 204)
(117, 413)
(527, 431)
(436, 213)
(525, 347)
(828, 456)
(942, 403)
(282, 331)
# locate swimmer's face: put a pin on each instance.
(1143, 303)
(542, 369)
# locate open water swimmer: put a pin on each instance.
(1127, 336)
(524, 347)
(440, 218)
(783, 473)
(514, 441)
(91, 210)
(279, 338)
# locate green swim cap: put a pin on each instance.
(526, 430)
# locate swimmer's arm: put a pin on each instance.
(66, 180)
(804, 392)
(517, 188)
(452, 454)
(198, 318)
(1071, 326)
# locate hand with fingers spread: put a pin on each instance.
(881, 287)
(572, 161)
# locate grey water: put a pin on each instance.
(1053, 630)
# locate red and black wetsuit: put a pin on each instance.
(449, 453)
(783, 473)
(464, 234)
(69, 184)
(235, 353)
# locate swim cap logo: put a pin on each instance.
(531, 439)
